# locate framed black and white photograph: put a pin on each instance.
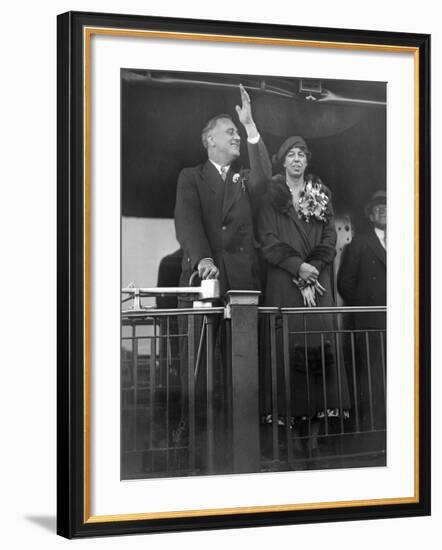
(234, 348)
(320, 396)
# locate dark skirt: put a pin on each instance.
(305, 374)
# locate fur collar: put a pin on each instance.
(280, 193)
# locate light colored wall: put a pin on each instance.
(144, 241)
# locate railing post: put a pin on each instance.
(242, 309)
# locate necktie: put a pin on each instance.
(224, 172)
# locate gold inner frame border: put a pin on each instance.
(88, 32)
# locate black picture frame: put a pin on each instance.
(74, 519)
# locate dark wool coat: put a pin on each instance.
(362, 282)
(362, 278)
(286, 242)
(214, 219)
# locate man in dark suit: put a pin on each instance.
(215, 203)
(362, 276)
(362, 281)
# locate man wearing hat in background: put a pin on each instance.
(362, 281)
(362, 275)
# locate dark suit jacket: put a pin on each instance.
(214, 219)
(362, 278)
(169, 273)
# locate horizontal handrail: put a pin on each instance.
(208, 290)
(157, 312)
(318, 310)
(154, 312)
(338, 331)
(161, 290)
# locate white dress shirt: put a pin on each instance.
(381, 236)
(219, 167)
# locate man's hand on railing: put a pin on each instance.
(207, 269)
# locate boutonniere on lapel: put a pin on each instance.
(239, 178)
(313, 202)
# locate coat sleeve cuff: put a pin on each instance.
(318, 264)
(254, 140)
(292, 265)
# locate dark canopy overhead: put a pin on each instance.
(163, 114)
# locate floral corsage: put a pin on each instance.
(313, 202)
(240, 179)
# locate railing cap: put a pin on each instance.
(242, 297)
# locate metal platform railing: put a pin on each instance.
(323, 384)
(244, 388)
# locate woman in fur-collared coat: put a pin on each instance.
(297, 234)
